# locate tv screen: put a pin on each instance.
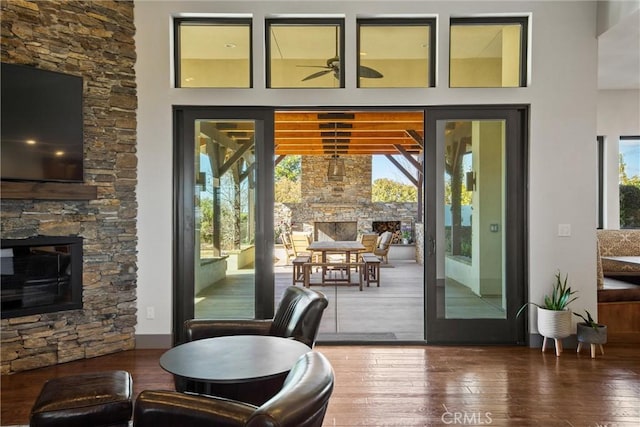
(41, 129)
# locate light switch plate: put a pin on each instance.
(564, 230)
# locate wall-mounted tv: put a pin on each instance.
(41, 132)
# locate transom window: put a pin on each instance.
(488, 52)
(305, 53)
(213, 53)
(309, 52)
(396, 52)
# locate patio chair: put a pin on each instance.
(299, 243)
(286, 241)
(369, 242)
(384, 244)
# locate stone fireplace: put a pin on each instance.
(341, 230)
(40, 275)
(94, 40)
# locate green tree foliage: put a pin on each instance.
(287, 191)
(206, 220)
(624, 178)
(287, 180)
(629, 206)
(289, 168)
(629, 197)
(388, 190)
(465, 196)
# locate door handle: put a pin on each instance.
(432, 246)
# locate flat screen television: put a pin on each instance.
(41, 132)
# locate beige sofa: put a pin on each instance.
(617, 243)
(619, 303)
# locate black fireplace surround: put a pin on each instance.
(40, 274)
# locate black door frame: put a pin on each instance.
(436, 330)
(482, 331)
(183, 212)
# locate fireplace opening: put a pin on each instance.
(335, 231)
(40, 275)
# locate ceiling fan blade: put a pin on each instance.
(318, 74)
(369, 73)
(314, 66)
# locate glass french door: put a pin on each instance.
(221, 197)
(475, 225)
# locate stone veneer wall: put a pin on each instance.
(355, 188)
(92, 39)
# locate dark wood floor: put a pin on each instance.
(423, 385)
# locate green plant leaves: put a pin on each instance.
(561, 296)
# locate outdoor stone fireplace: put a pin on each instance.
(342, 210)
(342, 230)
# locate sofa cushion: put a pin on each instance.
(599, 270)
(618, 243)
(384, 239)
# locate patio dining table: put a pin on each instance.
(346, 247)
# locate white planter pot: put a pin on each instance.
(554, 323)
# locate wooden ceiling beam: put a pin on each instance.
(395, 134)
(355, 140)
(314, 132)
(348, 116)
(318, 151)
(367, 126)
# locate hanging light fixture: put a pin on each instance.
(336, 170)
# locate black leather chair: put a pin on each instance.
(298, 316)
(302, 402)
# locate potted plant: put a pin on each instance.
(554, 318)
(590, 332)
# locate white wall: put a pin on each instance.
(618, 115)
(562, 95)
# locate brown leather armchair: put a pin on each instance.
(302, 402)
(298, 316)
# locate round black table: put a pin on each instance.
(248, 368)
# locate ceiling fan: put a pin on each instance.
(333, 66)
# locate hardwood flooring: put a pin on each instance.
(422, 385)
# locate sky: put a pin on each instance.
(631, 153)
(383, 168)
